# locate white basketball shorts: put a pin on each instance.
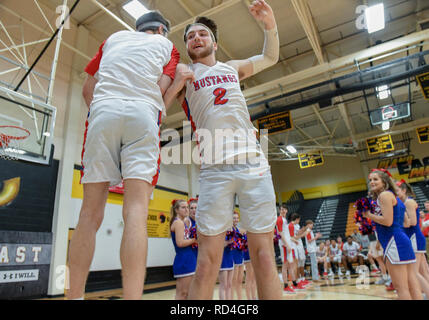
(122, 142)
(256, 199)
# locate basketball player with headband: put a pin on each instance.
(124, 89)
(211, 96)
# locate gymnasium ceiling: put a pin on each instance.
(318, 42)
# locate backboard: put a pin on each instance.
(30, 123)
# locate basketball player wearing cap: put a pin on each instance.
(212, 99)
(124, 89)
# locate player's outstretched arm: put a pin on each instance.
(177, 88)
(261, 11)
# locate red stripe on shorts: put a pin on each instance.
(156, 176)
(83, 148)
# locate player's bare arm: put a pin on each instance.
(164, 83)
(177, 88)
(261, 11)
(88, 89)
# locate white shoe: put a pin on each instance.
(381, 281)
(340, 273)
(348, 273)
(331, 274)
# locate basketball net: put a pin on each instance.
(10, 138)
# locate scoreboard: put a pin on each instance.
(380, 144)
(309, 160)
(276, 123)
(423, 134)
(423, 81)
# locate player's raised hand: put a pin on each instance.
(262, 11)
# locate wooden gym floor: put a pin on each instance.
(327, 289)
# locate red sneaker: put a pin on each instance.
(375, 271)
(307, 282)
(325, 274)
(299, 286)
(390, 288)
(289, 290)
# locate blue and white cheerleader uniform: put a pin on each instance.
(416, 236)
(193, 225)
(396, 244)
(237, 253)
(227, 259)
(185, 261)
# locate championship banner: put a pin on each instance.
(309, 160)
(413, 167)
(158, 224)
(423, 134)
(380, 144)
(423, 81)
(276, 123)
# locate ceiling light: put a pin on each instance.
(135, 9)
(374, 16)
(291, 149)
(385, 125)
(383, 92)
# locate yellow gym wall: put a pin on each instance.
(160, 203)
(336, 175)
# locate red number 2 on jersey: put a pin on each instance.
(220, 94)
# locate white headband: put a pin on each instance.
(204, 26)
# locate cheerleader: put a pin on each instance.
(413, 231)
(250, 280)
(226, 271)
(237, 254)
(389, 219)
(193, 203)
(185, 261)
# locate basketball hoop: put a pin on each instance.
(389, 113)
(10, 136)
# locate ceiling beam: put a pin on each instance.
(310, 29)
(68, 46)
(207, 13)
(324, 69)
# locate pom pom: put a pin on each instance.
(277, 236)
(237, 240)
(366, 226)
(193, 235)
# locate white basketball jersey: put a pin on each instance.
(218, 113)
(131, 67)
